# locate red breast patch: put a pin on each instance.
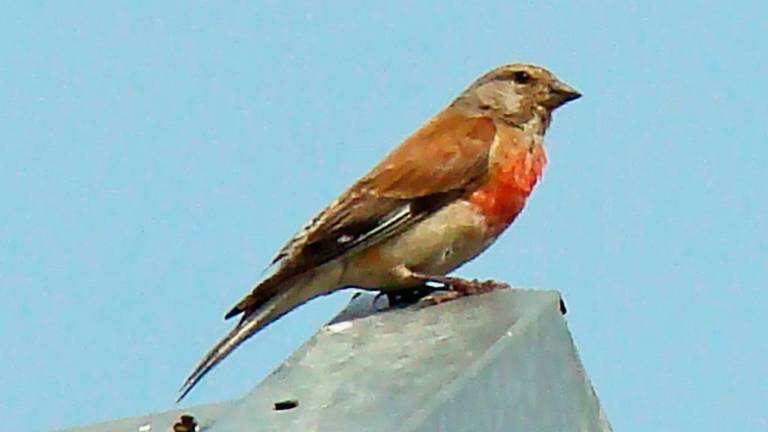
(511, 181)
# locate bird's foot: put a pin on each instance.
(470, 287)
(458, 287)
(439, 297)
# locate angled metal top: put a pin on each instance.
(497, 361)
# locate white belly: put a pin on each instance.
(436, 246)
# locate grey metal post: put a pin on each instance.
(501, 361)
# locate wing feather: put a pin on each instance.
(442, 161)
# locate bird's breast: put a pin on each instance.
(516, 164)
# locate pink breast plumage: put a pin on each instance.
(512, 179)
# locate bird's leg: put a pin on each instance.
(457, 287)
(465, 286)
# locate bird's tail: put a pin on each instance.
(253, 321)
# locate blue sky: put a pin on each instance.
(154, 156)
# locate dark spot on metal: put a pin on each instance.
(409, 296)
(286, 405)
(563, 309)
(186, 423)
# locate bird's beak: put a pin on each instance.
(560, 94)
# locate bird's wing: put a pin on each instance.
(437, 164)
(442, 161)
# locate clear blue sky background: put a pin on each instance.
(154, 157)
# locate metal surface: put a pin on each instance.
(160, 422)
(494, 362)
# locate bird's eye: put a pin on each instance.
(521, 77)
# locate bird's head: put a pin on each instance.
(518, 93)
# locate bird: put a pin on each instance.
(438, 200)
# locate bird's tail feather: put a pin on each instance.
(252, 322)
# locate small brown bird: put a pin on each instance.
(434, 203)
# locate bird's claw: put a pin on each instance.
(437, 298)
(475, 286)
(461, 288)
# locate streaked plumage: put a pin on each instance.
(434, 203)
